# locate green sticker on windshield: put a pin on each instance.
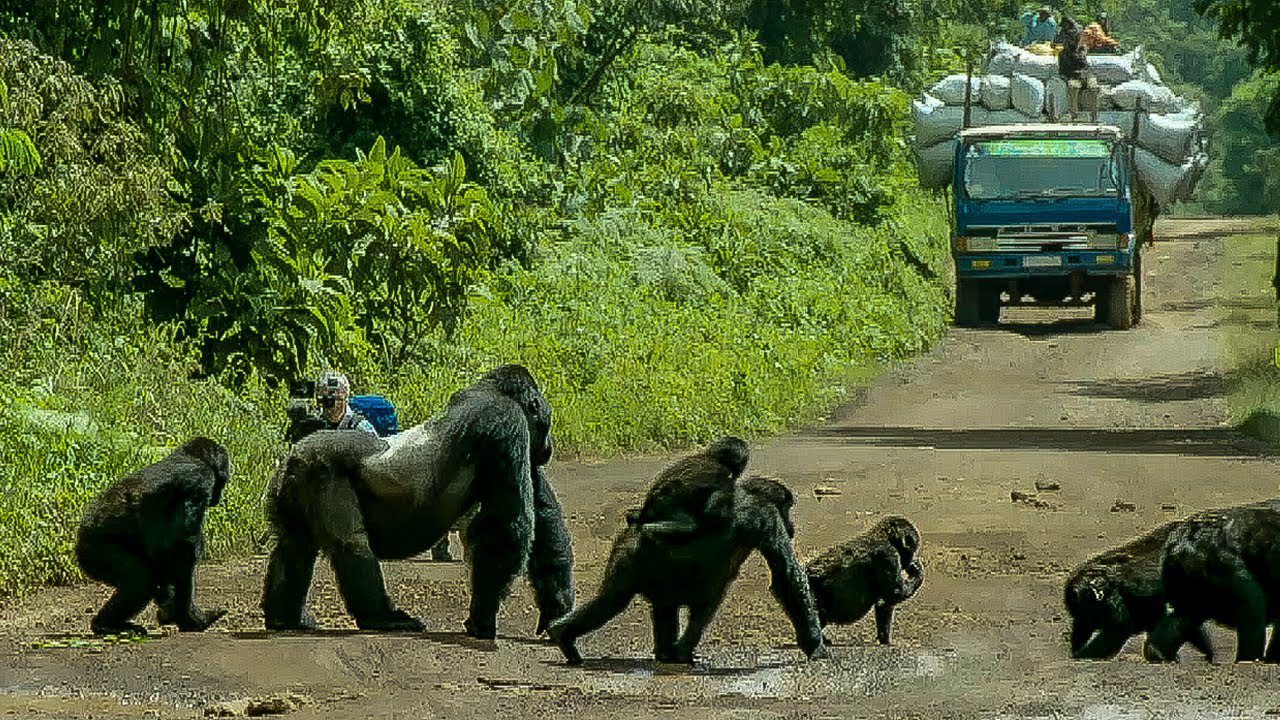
(1046, 148)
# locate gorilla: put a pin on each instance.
(1223, 565)
(696, 492)
(1119, 594)
(880, 568)
(359, 498)
(144, 534)
(696, 574)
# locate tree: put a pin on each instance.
(1256, 25)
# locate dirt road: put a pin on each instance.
(1135, 416)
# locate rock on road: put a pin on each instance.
(1136, 417)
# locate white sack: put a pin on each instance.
(1027, 95)
(1142, 95)
(935, 124)
(1167, 182)
(1002, 58)
(1122, 119)
(995, 92)
(1115, 69)
(950, 89)
(1172, 138)
(1041, 67)
(1153, 75)
(1055, 98)
(934, 163)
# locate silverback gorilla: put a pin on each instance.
(359, 498)
(695, 574)
(1223, 565)
(144, 534)
(1119, 594)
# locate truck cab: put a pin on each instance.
(1044, 214)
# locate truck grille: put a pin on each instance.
(1039, 237)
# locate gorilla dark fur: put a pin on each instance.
(144, 534)
(1223, 565)
(697, 574)
(1119, 594)
(359, 498)
(696, 492)
(880, 568)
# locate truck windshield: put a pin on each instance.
(1027, 167)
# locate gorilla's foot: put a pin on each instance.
(545, 621)
(114, 628)
(200, 620)
(393, 621)
(480, 631)
(565, 642)
(305, 622)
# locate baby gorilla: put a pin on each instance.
(694, 494)
(144, 534)
(696, 574)
(1119, 594)
(879, 569)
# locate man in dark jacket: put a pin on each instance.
(1073, 66)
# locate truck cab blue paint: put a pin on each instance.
(1110, 215)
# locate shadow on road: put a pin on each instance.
(1057, 328)
(1162, 388)
(631, 666)
(1200, 442)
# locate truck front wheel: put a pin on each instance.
(966, 302)
(1120, 301)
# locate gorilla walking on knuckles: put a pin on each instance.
(1223, 565)
(359, 498)
(144, 534)
(697, 573)
(880, 568)
(1119, 594)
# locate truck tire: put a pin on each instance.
(989, 303)
(1120, 300)
(966, 302)
(1137, 284)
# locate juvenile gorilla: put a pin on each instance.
(1223, 565)
(144, 534)
(880, 568)
(696, 492)
(359, 498)
(696, 575)
(1119, 594)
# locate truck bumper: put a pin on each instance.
(1042, 264)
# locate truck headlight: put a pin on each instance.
(1108, 241)
(973, 244)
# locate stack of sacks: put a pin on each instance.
(1019, 86)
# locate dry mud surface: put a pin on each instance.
(1136, 416)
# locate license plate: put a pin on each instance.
(1042, 261)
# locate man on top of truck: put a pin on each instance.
(1041, 27)
(1073, 66)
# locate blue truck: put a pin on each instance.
(1047, 214)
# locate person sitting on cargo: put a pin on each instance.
(1097, 36)
(1073, 66)
(333, 393)
(1040, 27)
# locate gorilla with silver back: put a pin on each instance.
(359, 498)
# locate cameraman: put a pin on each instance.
(333, 391)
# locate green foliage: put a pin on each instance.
(79, 193)
(1246, 160)
(1256, 24)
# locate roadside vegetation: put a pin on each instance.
(687, 218)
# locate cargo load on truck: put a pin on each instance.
(1017, 86)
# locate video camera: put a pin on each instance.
(326, 396)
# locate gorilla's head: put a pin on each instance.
(517, 383)
(1094, 605)
(777, 494)
(731, 452)
(902, 535)
(216, 458)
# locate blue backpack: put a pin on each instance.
(378, 411)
